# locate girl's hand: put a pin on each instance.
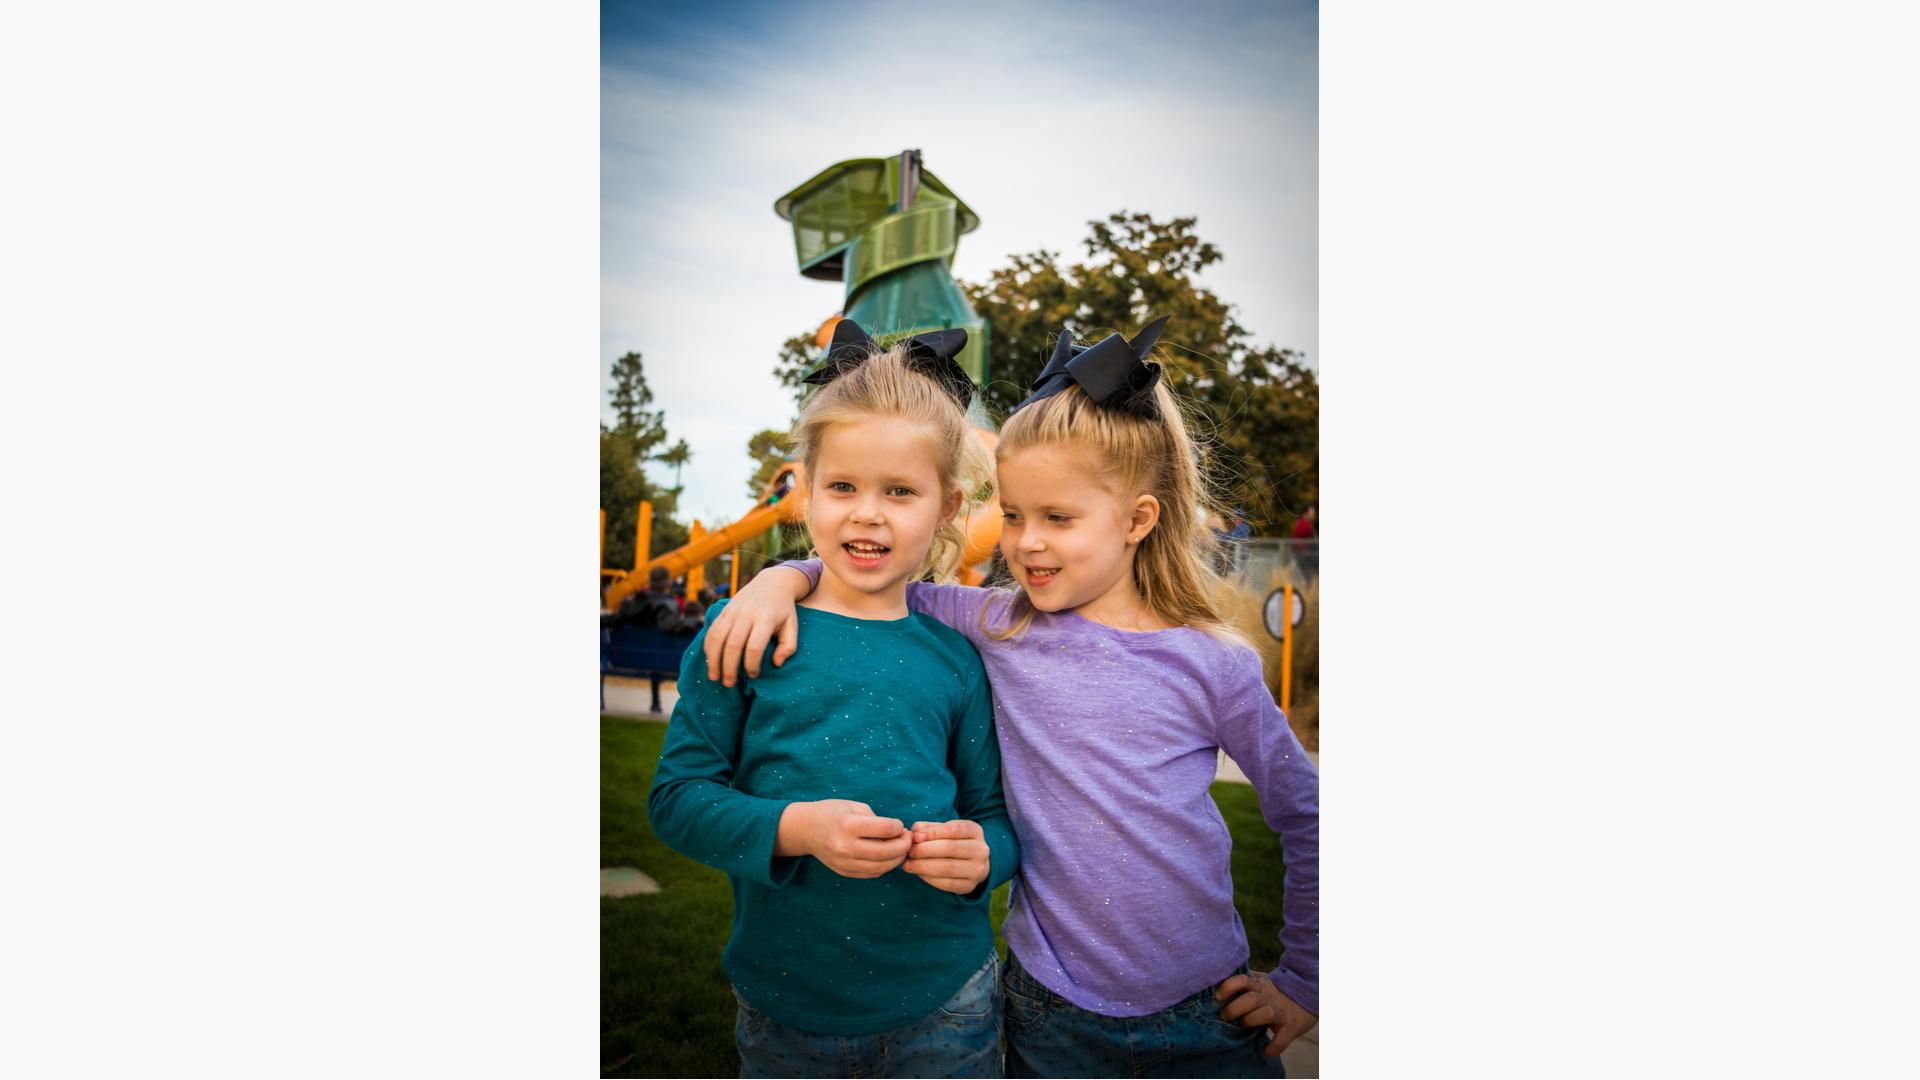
(1256, 1002)
(953, 855)
(763, 608)
(843, 834)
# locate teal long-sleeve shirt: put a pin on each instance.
(892, 713)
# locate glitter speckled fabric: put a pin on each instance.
(894, 714)
(1124, 903)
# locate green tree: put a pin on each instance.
(769, 450)
(677, 456)
(631, 396)
(798, 355)
(624, 484)
(1256, 410)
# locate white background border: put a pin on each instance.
(299, 771)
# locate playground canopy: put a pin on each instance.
(888, 229)
(830, 211)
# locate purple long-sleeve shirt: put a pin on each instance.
(1108, 740)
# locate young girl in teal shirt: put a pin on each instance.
(855, 951)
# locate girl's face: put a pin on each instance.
(1065, 536)
(875, 503)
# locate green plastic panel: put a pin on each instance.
(922, 297)
(847, 227)
(829, 211)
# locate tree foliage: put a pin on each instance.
(1255, 410)
(624, 484)
(631, 396)
(677, 456)
(798, 355)
(768, 449)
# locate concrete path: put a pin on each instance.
(1231, 773)
(633, 698)
(626, 881)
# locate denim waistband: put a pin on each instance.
(1034, 988)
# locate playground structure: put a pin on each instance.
(782, 501)
(888, 230)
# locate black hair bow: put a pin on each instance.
(931, 354)
(1114, 373)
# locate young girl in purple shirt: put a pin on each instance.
(1116, 679)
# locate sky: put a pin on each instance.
(1042, 116)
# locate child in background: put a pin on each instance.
(800, 785)
(1115, 679)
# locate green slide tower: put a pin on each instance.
(888, 229)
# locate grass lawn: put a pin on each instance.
(665, 1008)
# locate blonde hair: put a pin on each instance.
(884, 386)
(1137, 455)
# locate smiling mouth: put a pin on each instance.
(1041, 575)
(865, 554)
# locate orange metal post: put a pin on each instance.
(643, 536)
(733, 583)
(1286, 652)
(697, 573)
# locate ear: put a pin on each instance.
(954, 499)
(1146, 514)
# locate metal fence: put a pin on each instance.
(1264, 563)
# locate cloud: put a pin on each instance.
(1041, 117)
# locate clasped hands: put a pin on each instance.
(853, 842)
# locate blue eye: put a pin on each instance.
(900, 492)
(1060, 518)
(840, 485)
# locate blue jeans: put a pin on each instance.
(960, 1039)
(1047, 1035)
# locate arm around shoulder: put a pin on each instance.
(958, 607)
(741, 626)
